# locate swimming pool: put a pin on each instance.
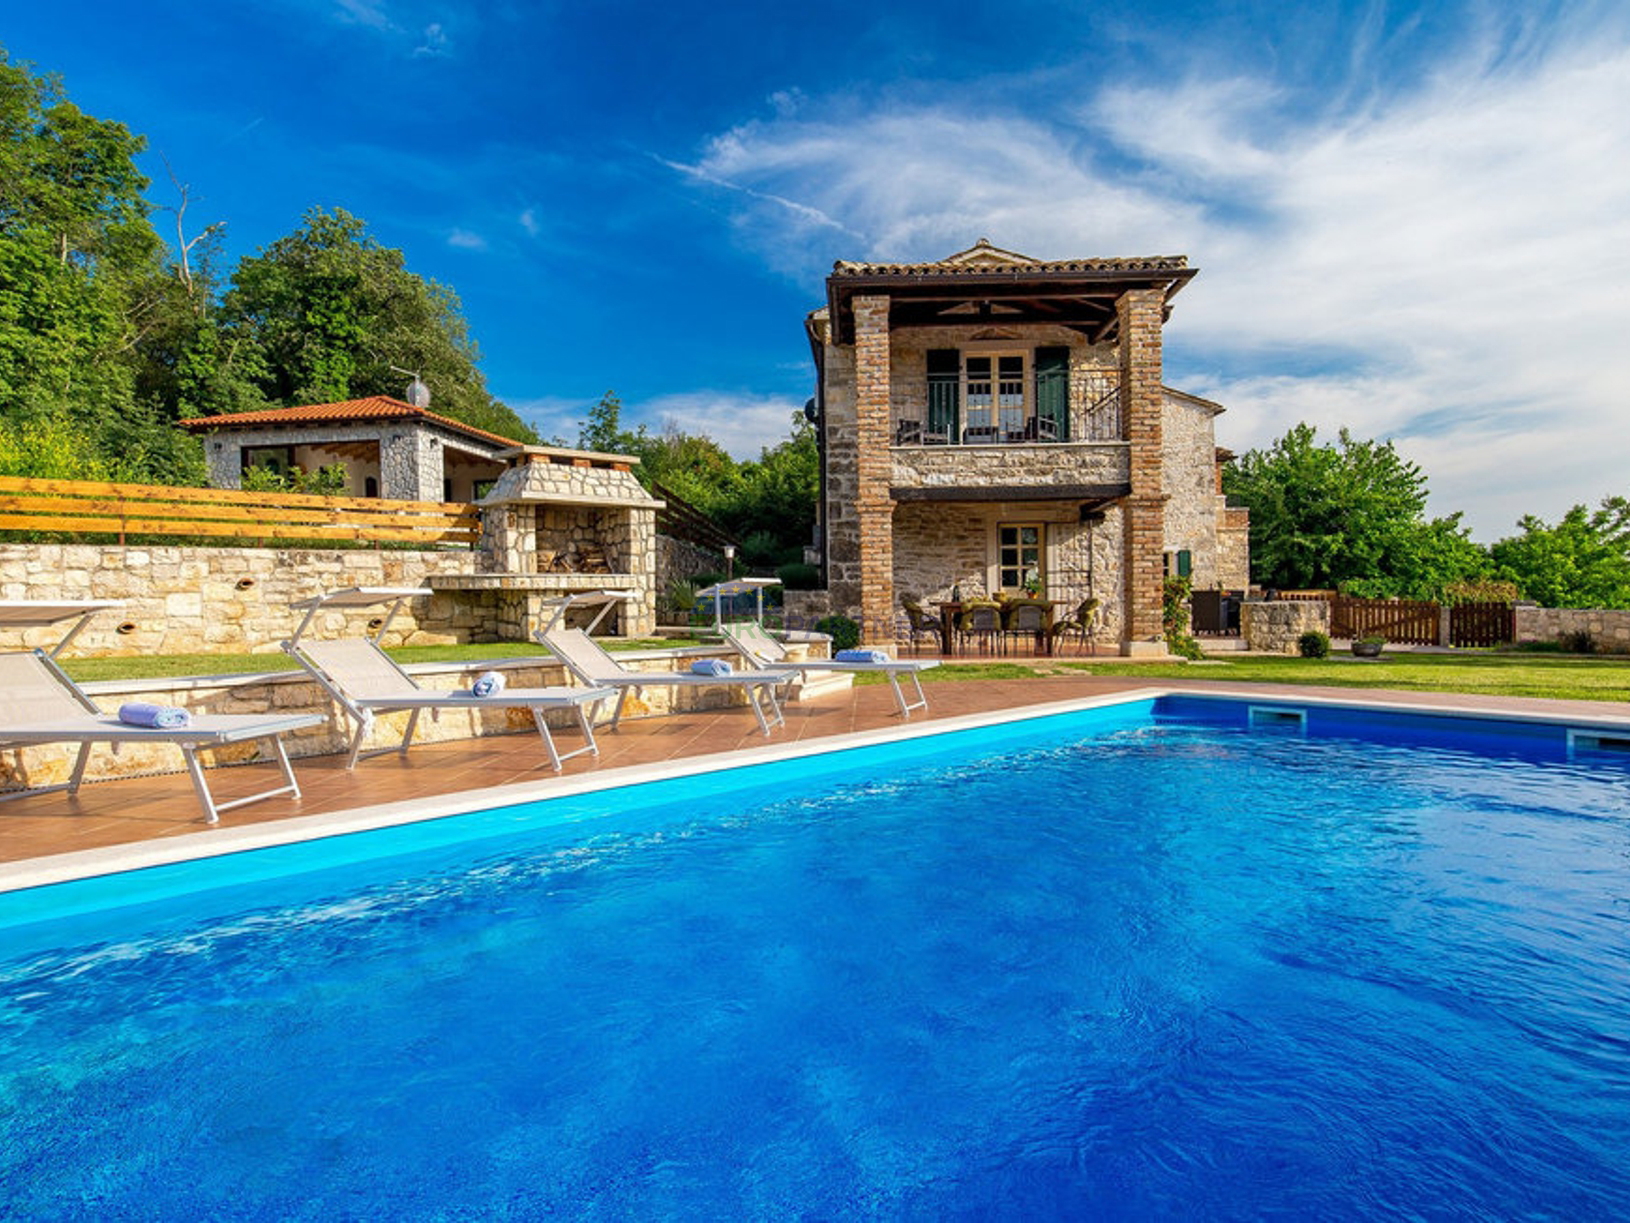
(1181, 958)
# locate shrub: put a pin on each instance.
(799, 576)
(1174, 618)
(845, 633)
(1313, 644)
(1577, 641)
(1372, 639)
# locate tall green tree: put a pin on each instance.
(324, 313)
(1581, 561)
(84, 287)
(1350, 515)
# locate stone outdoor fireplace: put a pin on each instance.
(561, 522)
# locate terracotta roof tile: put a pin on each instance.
(983, 258)
(375, 407)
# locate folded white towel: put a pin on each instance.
(861, 656)
(488, 683)
(711, 666)
(145, 713)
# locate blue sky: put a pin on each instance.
(1411, 220)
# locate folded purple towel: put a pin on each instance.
(488, 683)
(861, 656)
(162, 717)
(711, 666)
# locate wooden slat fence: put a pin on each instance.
(1482, 624)
(682, 520)
(225, 516)
(1400, 621)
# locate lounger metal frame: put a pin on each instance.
(754, 643)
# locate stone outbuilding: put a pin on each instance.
(991, 418)
(390, 448)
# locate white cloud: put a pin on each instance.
(1446, 267)
(435, 42)
(466, 240)
(744, 425)
(529, 222)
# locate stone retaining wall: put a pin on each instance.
(1609, 629)
(1277, 627)
(223, 600)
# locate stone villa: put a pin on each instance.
(992, 417)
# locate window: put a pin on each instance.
(1021, 557)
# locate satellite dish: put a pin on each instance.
(418, 394)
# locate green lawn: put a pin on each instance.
(169, 666)
(1483, 673)
(1480, 672)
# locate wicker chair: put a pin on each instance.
(1081, 624)
(981, 623)
(1027, 620)
(921, 623)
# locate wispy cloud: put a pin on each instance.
(1443, 265)
(435, 42)
(466, 240)
(529, 222)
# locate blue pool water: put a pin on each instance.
(1146, 966)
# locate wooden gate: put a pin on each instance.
(1400, 621)
(1482, 624)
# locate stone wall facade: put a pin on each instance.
(1610, 629)
(406, 461)
(1276, 627)
(223, 600)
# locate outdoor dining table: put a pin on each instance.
(951, 610)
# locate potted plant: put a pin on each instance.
(1368, 647)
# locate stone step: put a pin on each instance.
(812, 685)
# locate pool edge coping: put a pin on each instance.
(222, 841)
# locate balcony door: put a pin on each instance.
(995, 396)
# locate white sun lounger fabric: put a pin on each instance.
(366, 682)
(759, 649)
(588, 661)
(42, 705)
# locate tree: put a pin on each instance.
(1349, 515)
(325, 313)
(1582, 561)
(84, 284)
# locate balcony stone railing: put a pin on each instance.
(1010, 465)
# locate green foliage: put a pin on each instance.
(322, 314)
(798, 576)
(1313, 644)
(324, 482)
(1174, 618)
(845, 633)
(1582, 561)
(49, 448)
(1349, 516)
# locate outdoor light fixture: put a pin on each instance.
(729, 561)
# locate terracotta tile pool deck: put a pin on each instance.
(137, 810)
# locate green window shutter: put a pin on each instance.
(944, 392)
(1053, 389)
(1185, 563)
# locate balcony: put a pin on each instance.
(1010, 471)
(939, 422)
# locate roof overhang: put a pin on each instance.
(1081, 299)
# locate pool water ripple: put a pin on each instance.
(1171, 971)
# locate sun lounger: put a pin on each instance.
(42, 705)
(365, 681)
(585, 659)
(759, 649)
